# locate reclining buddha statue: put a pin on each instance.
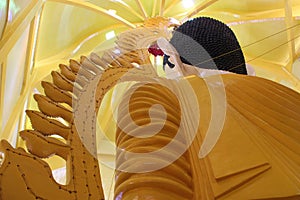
(205, 131)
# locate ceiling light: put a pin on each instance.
(117, 51)
(188, 3)
(110, 35)
(112, 12)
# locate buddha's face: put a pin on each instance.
(175, 68)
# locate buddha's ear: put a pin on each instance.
(169, 50)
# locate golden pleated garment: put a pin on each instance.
(257, 155)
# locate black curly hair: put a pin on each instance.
(220, 47)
